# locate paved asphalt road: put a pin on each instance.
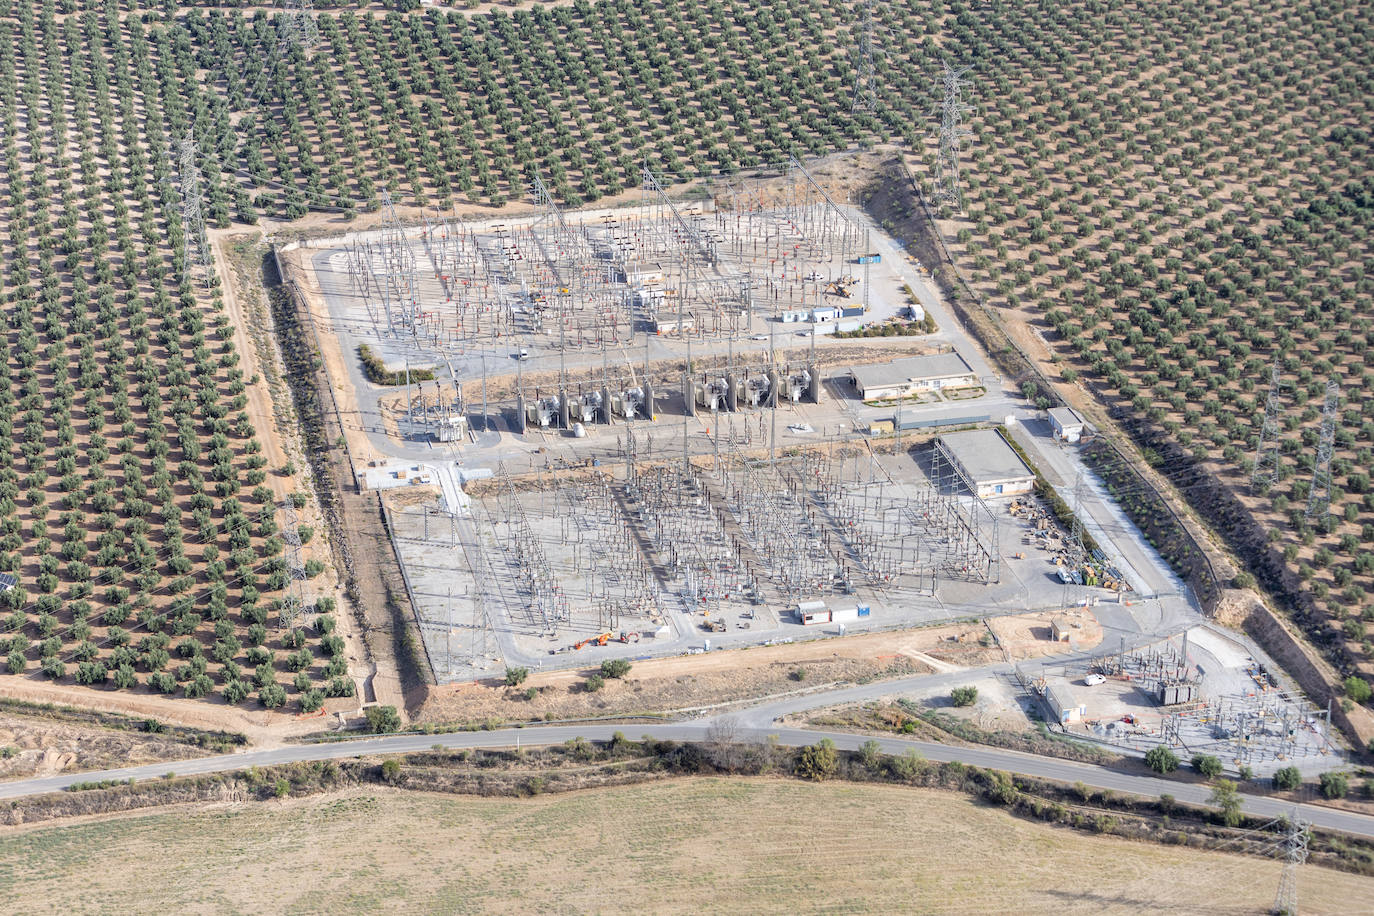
(1011, 761)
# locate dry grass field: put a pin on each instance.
(712, 845)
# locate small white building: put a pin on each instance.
(1066, 424)
(904, 377)
(1064, 705)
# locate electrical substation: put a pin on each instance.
(635, 432)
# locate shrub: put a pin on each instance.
(817, 761)
(382, 720)
(377, 373)
(1333, 785)
(311, 700)
(1207, 765)
(1287, 778)
(516, 676)
(615, 667)
(1161, 760)
(1358, 689)
(964, 696)
(391, 769)
(594, 683)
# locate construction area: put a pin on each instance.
(1200, 692)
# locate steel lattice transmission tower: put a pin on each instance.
(397, 281)
(1266, 470)
(1294, 854)
(1319, 501)
(195, 246)
(952, 131)
(298, 24)
(864, 99)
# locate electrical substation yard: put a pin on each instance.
(723, 552)
(609, 451)
(1197, 693)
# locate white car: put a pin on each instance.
(758, 337)
(1093, 680)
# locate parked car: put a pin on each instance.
(1093, 680)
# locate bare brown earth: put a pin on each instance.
(41, 747)
(263, 727)
(1030, 635)
(715, 679)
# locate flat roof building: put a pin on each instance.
(903, 377)
(988, 466)
(1066, 424)
(1064, 704)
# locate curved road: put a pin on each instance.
(751, 724)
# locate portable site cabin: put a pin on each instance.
(1066, 424)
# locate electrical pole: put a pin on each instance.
(863, 77)
(1266, 470)
(1319, 501)
(195, 246)
(298, 24)
(952, 111)
(1295, 854)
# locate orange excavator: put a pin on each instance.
(599, 640)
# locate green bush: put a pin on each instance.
(615, 667)
(1358, 689)
(964, 696)
(1207, 765)
(594, 683)
(1333, 785)
(817, 761)
(1287, 778)
(272, 695)
(382, 720)
(377, 373)
(516, 676)
(1225, 797)
(1161, 760)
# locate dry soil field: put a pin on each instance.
(710, 845)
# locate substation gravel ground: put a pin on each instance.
(709, 844)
